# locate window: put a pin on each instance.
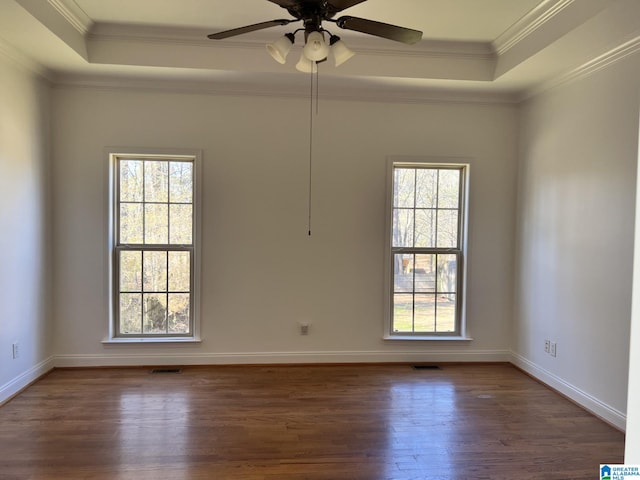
(426, 250)
(153, 246)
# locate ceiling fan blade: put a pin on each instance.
(379, 29)
(248, 28)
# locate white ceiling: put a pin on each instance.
(489, 47)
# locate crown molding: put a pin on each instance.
(24, 62)
(152, 33)
(528, 24)
(433, 95)
(60, 20)
(436, 49)
(601, 62)
(73, 14)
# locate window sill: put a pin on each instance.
(139, 340)
(437, 338)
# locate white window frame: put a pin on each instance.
(461, 325)
(113, 154)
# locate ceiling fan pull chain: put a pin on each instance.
(310, 146)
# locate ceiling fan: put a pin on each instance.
(312, 13)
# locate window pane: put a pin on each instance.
(426, 188)
(131, 181)
(131, 223)
(447, 273)
(180, 217)
(446, 308)
(156, 224)
(403, 313)
(181, 182)
(155, 271)
(425, 273)
(402, 276)
(425, 313)
(447, 229)
(449, 189)
(155, 209)
(130, 271)
(155, 313)
(130, 313)
(179, 271)
(426, 215)
(425, 228)
(402, 228)
(404, 180)
(179, 312)
(156, 181)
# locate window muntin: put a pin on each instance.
(153, 258)
(426, 249)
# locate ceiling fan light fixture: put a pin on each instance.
(281, 48)
(316, 48)
(341, 53)
(305, 65)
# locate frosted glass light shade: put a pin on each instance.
(305, 65)
(341, 53)
(316, 48)
(281, 48)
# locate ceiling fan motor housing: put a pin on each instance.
(308, 9)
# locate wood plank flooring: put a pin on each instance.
(366, 422)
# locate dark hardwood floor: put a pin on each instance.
(365, 422)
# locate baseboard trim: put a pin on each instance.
(124, 359)
(598, 408)
(24, 380)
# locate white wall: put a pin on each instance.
(577, 178)
(632, 445)
(261, 273)
(24, 232)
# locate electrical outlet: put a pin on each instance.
(547, 346)
(15, 350)
(553, 349)
(304, 328)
